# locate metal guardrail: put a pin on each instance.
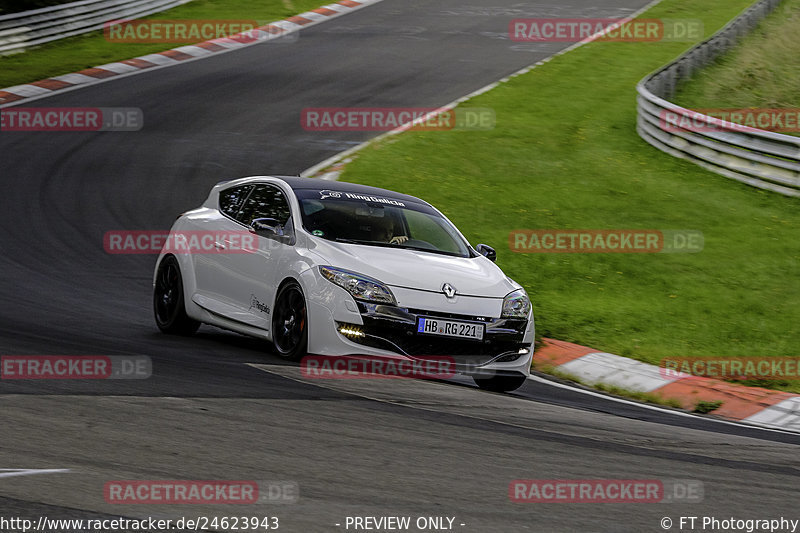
(759, 158)
(19, 31)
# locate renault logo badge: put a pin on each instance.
(449, 290)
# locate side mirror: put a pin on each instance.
(487, 251)
(271, 228)
(267, 227)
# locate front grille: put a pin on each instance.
(422, 312)
(402, 338)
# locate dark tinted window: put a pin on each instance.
(358, 218)
(265, 201)
(230, 200)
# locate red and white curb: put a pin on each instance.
(90, 76)
(751, 405)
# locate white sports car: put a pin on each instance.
(332, 268)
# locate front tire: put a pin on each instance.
(168, 304)
(290, 323)
(500, 383)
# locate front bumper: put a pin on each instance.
(383, 330)
(341, 326)
(395, 329)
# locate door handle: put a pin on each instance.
(219, 245)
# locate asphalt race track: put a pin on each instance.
(219, 406)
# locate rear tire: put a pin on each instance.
(290, 323)
(168, 304)
(500, 383)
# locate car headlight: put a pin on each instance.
(516, 305)
(359, 286)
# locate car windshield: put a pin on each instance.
(358, 218)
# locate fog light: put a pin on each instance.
(350, 331)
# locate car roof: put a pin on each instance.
(298, 183)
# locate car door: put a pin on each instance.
(261, 269)
(219, 285)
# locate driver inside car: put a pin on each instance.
(383, 231)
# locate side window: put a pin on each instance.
(230, 200)
(266, 201)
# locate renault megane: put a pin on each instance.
(333, 268)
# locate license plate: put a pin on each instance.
(450, 328)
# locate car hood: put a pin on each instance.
(412, 269)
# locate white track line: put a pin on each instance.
(13, 472)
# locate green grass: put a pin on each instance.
(565, 154)
(92, 49)
(762, 71)
(704, 407)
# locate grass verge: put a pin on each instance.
(92, 49)
(565, 154)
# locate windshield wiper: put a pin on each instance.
(430, 250)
